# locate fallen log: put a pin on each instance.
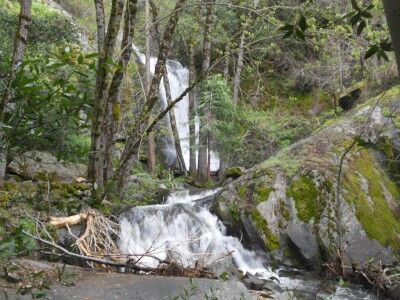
(63, 222)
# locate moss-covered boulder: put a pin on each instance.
(44, 166)
(302, 216)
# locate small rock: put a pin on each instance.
(253, 283)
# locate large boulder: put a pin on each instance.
(44, 166)
(293, 202)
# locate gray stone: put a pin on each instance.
(43, 166)
(304, 239)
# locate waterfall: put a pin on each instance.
(184, 230)
(179, 80)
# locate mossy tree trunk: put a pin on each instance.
(96, 164)
(114, 100)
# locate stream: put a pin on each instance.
(184, 230)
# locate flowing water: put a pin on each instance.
(178, 79)
(184, 230)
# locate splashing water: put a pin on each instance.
(183, 230)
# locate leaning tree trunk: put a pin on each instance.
(96, 164)
(392, 11)
(192, 115)
(203, 171)
(20, 41)
(168, 94)
(134, 140)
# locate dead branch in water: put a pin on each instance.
(99, 248)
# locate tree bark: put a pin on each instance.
(130, 152)
(96, 164)
(203, 164)
(20, 41)
(168, 94)
(392, 12)
(239, 67)
(101, 25)
(192, 115)
(223, 161)
(151, 162)
(113, 103)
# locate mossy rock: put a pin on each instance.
(271, 240)
(234, 172)
(303, 190)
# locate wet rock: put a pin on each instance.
(253, 283)
(44, 166)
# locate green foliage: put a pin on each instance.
(52, 97)
(18, 242)
(221, 119)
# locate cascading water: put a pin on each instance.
(184, 230)
(178, 79)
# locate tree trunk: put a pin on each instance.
(203, 166)
(392, 12)
(130, 152)
(101, 25)
(223, 161)
(192, 115)
(113, 104)
(20, 41)
(239, 67)
(172, 119)
(151, 162)
(168, 94)
(96, 164)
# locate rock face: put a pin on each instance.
(293, 203)
(41, 165)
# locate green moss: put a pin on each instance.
(261, 193)
(284, 212)
(242, 191)
(271, 240)
(377, 219)
(234, 213)
(305, 195)
(10, 186)
(116, 111)
(5, 197)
